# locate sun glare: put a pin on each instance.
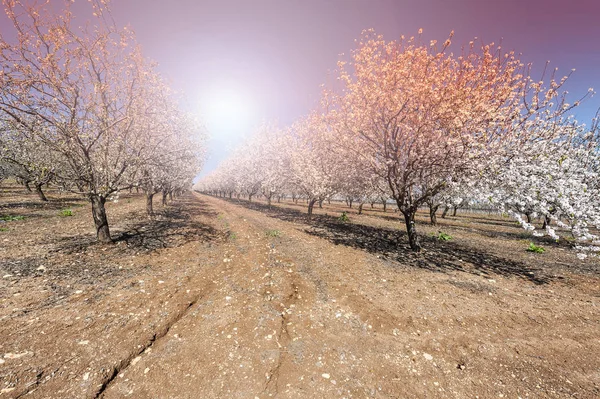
(228, 111)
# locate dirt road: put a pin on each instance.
(289, 315)
(273, 312)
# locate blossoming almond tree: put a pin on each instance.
(315, 167)
(30, 162)
(555, 177)
(423, 117)
(77, 92)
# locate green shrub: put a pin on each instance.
(3, 228)
(66, 212)
(273, 233)
(534, 248)
(443, 236)
(344, 217)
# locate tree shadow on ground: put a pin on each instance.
(438, 256)
(52, 204)
(172, 226)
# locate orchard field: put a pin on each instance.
(427, 227)
(225, 298)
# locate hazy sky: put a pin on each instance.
(239, 62)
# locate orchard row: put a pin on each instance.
(83, 109)
(414, 123)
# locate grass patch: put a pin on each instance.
(66, 212)
(12, 218)
(535, 248)
(3, 228)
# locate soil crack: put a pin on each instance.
(124, 363)
(283, 338)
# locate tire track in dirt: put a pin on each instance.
(271, 296)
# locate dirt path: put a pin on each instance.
(286, 314)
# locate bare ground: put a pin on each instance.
(219, 299)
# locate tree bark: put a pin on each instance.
(27, 187)
(360, 208)
(446, 209)
(164, 198)
(432, 214)
(40, 193)
(384, 203)
(454, 212)
(100, 219)
(528, 215)
(311, 205)
(350, 201)
(321, 204)
(269, 199)
(149, 208)
(413, 238)
(546, 221)
(249, 197)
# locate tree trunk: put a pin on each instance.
(40, 193)
(432, 214)
(384, 203)
(100, 219)
(149, 209)
(311, 205)
(528, 215)
(446, 209)
(269, 199)
(546, 222)
(372, 205)
(249, 197)
(350, 203)
(454, 212)
(27, 187)
(413, 238)
(164, 198)
(360, 208)
(321, 204)
(170, 195)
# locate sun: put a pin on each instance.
(228, 111)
